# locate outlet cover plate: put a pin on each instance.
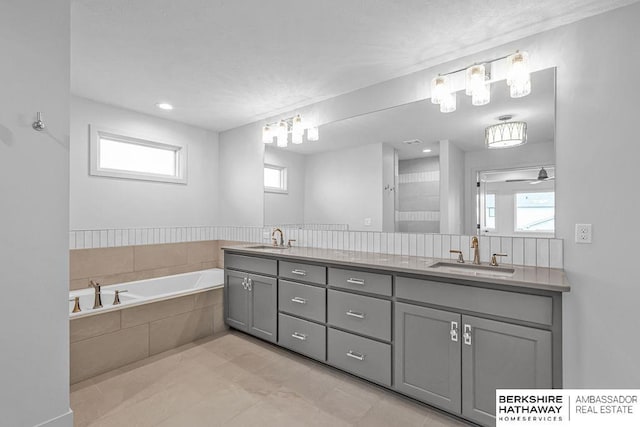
(583, 233)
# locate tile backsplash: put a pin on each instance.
(528, 251)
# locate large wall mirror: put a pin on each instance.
(411, 168)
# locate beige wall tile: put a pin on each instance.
(218, 319)
(156, 310)
(91, 326)
(89, 263)
(149, 257)
(198, 252)
(93, 356)
(209, 298)
(173, 331)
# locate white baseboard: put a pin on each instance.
(64, 420)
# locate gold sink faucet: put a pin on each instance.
(273, 237)
(97, 298)
(476, 250)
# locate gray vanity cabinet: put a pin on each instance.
(427, 355)
(251, 304)
(499, 355)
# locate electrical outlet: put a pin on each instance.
(583, 233)
(367, 222)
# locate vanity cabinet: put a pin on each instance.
(448, 342)
(251, 303)
(457, 362)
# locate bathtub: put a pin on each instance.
(147, 291)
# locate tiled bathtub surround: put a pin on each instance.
(528, 251)
(127, 263)
(108, 341)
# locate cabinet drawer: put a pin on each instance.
(304, 272)
(302, 300)
(361, 314)
(361, 356)
(252, 264)
(304, 337)
(525, 307)
(361, 281)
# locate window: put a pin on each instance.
(275, 179)
(116, 155)
(535, 212)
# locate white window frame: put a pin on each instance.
(98, 132)
(282, 189)
(538, 233)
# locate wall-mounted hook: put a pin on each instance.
(38, 124)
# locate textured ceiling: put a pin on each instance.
(225, 63)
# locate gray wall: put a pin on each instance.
(345, 187)
(34, 237)
(451, 187)
(100, 202)
(597, 61)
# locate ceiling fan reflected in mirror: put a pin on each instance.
(543, 176)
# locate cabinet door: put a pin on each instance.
(263, 307)
(427, 355)
(236, 299)
(499, 355)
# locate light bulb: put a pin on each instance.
(475, 79)
(283, 134)
(312, 133)
(439, 89)
(267, 136)
(518, 74)
(448, 103)
(296, 126)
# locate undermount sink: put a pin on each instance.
(268, 247)
(473, 269)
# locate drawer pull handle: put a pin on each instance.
(299, 336)
(299, 300)
(355, 355)
(454, 331)
(355, 314)
(299, 272)
(354, 281)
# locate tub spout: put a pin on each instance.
(97, 299)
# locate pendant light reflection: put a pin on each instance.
(506, 134)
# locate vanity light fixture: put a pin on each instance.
(164, 106)
(506, 134)
(291, 125)
(478, 82)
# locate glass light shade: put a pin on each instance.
(506, 134)
(312, 133)
(448, 103)
(267, 135)
(481, 95)
(296, 126)
(283, 134)
(439, 89)
(474, 79)
(520, 89)
(518, 74)
(296, 138)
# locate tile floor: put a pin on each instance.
(232, 379)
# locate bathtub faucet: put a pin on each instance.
(97, 299)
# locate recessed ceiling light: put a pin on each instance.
(164, 106)
(426, 150)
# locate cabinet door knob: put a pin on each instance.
(454, 331)
(467, 334)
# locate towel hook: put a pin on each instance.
(38, 124)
